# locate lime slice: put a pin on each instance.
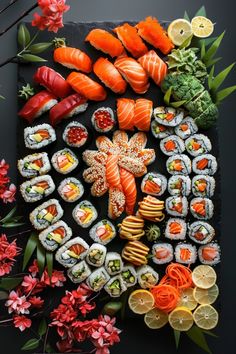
(204, 276)
(202, 27)
(181, 319)
(179, 31)
(187, 300)
(155, 319)
(141, 301)
(206, 317)
(206, 296)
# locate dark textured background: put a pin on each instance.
(137, 339)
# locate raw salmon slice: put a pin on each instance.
(143, 114)
(105, 41)
(73, 58)
(155, 67)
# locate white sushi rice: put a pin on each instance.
(97, 279)
(179, 145)
(193, 253)
(157, 178)
(167, 252)
(129, 275)
(59, 153)
(68, 181)
(209, 208)
(111, 286)
(172, 201)
(76, 125)
(178, 113)
(46, 107)
(210, 169)
(31, 193)
(96, 255)
(204, 231)
(156, 131)
(79, 272)
(185, 185)
(38, 221)
(192, 128)
(79, 109)
(27, 168)
(147, 277)
(51, 244)
(213, 261)
(79, 209)
(29, 134)
(185, 161)
(113, 263)
(176, 236)
(93, 232)
(63, 256)
(210, 188)
(203, 140)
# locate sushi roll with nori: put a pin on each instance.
(185, 253)
(162, 253)
(97, 279)
(172, 145)
(179, 165)
(147, 277)
(75, 134)
(154, 184)
(103, 232)
(72, 252)
(55, 235)
(201, 232)
(176, 229)
(34, 165)
(203, 186)
(202, 208)
(115, 286)
(37, 188)
(160, 131)
(179, 185)
(96, 255)
(103, 120)
(46, 214)
(205, 165)
(168, 116)
(177, 206)
(79, 272)
(198, 144)
(84, 213)
(71, 189)
(113, 263)
(129, 275)
(209, 254)
(39, 136)
(64, 161)
(186, 128)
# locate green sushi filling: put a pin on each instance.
(78, 273)
(115, 287)
(148, 278)
(114, 266)
(95, 256)
(128, 277)
(98, 282)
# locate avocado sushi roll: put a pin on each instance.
(79, 272)
(179, 165)
(186, 128)
(55, 235)
(71, 189)
(160, 131)
(96, 255)
(129, 275)
(103, 120)
(147, 277)
(72, 252)
(154, 184)
(172, 145)
(39, 136)
(113, 263)
(64, 161)
(103, 232)
(168, 116)
(97, 279)
(37, 188)
(198, 144)
(202, 208)
(209, 254)
(177, 206)
(201, 232)
(115, 286)
(46, 214)
(185, 253)
(162, 253)
(176, 229)
(84, 213)
(179, 185)
(75, 134)
(203, 186)
(34, 165)
(205, 165)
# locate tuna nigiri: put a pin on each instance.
(143, 114)
(105, 41)
(73, 58)
(112, 171)
(130, 190)
(86, 87)
(155, 67)
(125, 113)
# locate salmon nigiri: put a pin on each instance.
(130, 190)
(105, 41)
(155, 67)
(125, 113)
(133, 73)
(143, 114)
(112, 171)
(73, 58)
(86, 87)
(128, 35)
(109, 75)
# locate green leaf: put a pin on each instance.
(30, 248)
(112, 307)
(209, 333)
(10, 283)
(32, 58)
(49, 259)
(9, 215)
(41, 256)
(213, 49)
(201, 12)
(168, 95)
(212, 62)
(3, 295)
(210, 77)
(23, 36)
(42, 327)
(39, 47)
(220, 78)
(187, 42)
(13, 224)
(208, 41)
(222, 94)
(31, 344)
(197, 336)
(177, 338)
(177, 104)
(2, 97)
(203, 49)
(186, 16)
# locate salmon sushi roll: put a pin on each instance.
(34, 165)
(177, 206)
(70, 189)
(84, 213)
(102, 232)
(143, 114)
(64, 161)
(46, 214)
(103, 119)
(125, 113)
(160, 131)
(162, 253)
(202, 208)
(54, 236)
(179, 165)
(168, 116)
(105, 41)
(205, 165)
(37, 188)
(203, 186)
(72, 252)
(201, 232)
(198, 144)
(73, 58)
(39, 136)
(179, 185)
(176, 229)
(154, 184)
(155, 67)
(209, 254)
(172, 145)
(186, 128)
(185, 253)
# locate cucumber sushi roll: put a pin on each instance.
(56, 235)
(115, 286)
(72, 252)
(79, 272)
(64, 161)
(172, 145)
(34, 165)
(103, 232)
(46, 214)
(129, 275)
(179, 185)
(185, 253)
(160, 131)
(154, 184)
(179, 165)
(203, 186)
(71, 189)
(168, 116)
(209, 254)
(84, 213)
(37, 188)
(103, 120)
(201, 232)
(175, 229)
(39, 136)
(177, 206)
(198, 144)
(96, 255)
(205, 165)
(186, 128)
(113, 263)
(97, 279)
(202, 208)
(162, 253)
(147, 277)
(75, 134)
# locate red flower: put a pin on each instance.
(8, 251)
(22, 322)
(36, 302)
(100, 336)
(57, 278)
(9, 195)
(86, 308)
(34, 269)
(29, 283)
(63, 314)
(17, 304)
(3, 168)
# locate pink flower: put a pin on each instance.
(29, 283)
(100, 335)
(17, 304)
(22, 322)
(34, 269)
(9, 195)
(3, 167)
(36, 302)
(57, 278)
(63, 313)
(5, 268)
(107, 322)
(86, 307)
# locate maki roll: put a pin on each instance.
(54, 236)
(201, 232)
(71, 189)
(115, 286)
(162, 253)
(179, 165)
(179, 185)
(154, 183)
(84, 213)
(185, 253)
(72, 252)
(160, 131)
(39, 136)
(209, 254)
(168, 116)
(103, 120)
(37, 188)
(203, 186)
(79, 272)
(202, 208)
(75, 134)
(96, 255)
(129, 275)
(198, 144)
(186, 128)
(64, 161)
(175, 229)
(177, 206)
(205, 165)
(103, 232)
(97, 279)
(172, 145)
(147, 277)
(34, 165)
(46, 214)
(113, 263)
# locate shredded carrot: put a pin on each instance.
(166, 297)
(180, 274)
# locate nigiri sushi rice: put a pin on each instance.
(209, 253)
(176, 229)
(162, 253)
(185, 253)
(55, 235)
(160, 131)
(64, 161)
(177, 206)
(71, 189)
(147, 277)
(172, 145)
(205, 165)
(186, 128)
(168, 116)
(113, 263)
(201, 232)
(75, 134)
(84, 213)
(79, 272)
(96, 255)
(37, 188)
(154, 184)
(203, 186)
(129, 275)
(198, 144)
(202, 208)
(103, 232)
(72, 252)
(115, 286)
(179, 185)
(34, 165)
(179, 165)
(97, 279)
(103, 119)
(39, 136)
(46, 214)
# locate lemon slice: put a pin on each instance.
(202, 27)
(181, 319)
(204, 276)
(206, 317)
(179, 31)
(187, 300)
(155, 319)
(206, 296)
(141, 301)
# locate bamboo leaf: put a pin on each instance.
(213, 48)
(222, 94)
(177, 338)
(31, 344)
(210, 77)
(220, 78)
(2, 97)
(49, 259)
(13, 224)
(212, 62)
(208, 41)
(201, 12)
(9, 215)
(41, 256)
(203, 49)
(186, 16)
(197, 336)
(167, 96)
(23, 36)
(30, 248)
(177, 104)
(32, 58)
(209, 333)
(10, 283)
(39, 47)
(42, 327)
